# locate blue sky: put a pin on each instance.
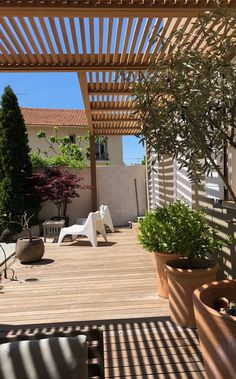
(59, 90)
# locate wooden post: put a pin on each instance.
(84, 90)
(93, 173)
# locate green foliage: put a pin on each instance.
(62, 152)
(187, 100)
(16, 188)
(179, 229)
(37, 160)
(40, 161)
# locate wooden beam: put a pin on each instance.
(109, 93)
(117, 132)
(100, 110)
(93, 173)
(115, 121)
(84, 91)
(73, 66)
(158, 11)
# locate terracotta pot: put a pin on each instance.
(162, 284)
(29, 251)
(217, 332)
(182, 282)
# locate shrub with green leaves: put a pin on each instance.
(179, 229)
(17, 195)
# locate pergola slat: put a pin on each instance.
(8, 58)
(22, 39)
(49, 35)
(22, 56)
(10, 49)
(126, 39)
(83, 39)
(134, 40)
(48, 39)
(57, 39)
(66, 40)
(41, 42)
(151, 40)
(109, 35)
(118, 34)
(166, 24)
(142, 41)
(100, 41)
(31, 40)
(91, 35)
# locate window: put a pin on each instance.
(72, 138)
(101, 149)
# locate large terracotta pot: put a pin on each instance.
(217, 332)
(161, 260)
(29, 250)
(182, 282)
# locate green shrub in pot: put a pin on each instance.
(178, 230)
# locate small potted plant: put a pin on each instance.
(29, 249)
(200, 244)
(159, 232)
(173, 233)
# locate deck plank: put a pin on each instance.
(112, 286)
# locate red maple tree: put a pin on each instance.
(58, 185)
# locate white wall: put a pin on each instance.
(182, 185)
(115, 189)
(153, 182)
(115, 150)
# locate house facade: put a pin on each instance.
(72, 123)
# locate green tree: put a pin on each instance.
(16, 184)
(187, 100)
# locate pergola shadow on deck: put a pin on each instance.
(112, 286)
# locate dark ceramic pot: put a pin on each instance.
(29, 251)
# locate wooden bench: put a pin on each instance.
(94, 341)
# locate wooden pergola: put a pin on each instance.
(96, 39)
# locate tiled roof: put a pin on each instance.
(54, 117)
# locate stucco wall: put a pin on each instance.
(115, 150)
(115, 188)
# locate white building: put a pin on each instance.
(72, 123)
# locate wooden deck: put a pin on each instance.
(112, 286)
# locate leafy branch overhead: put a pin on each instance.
(186, 101)
(61, 151)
